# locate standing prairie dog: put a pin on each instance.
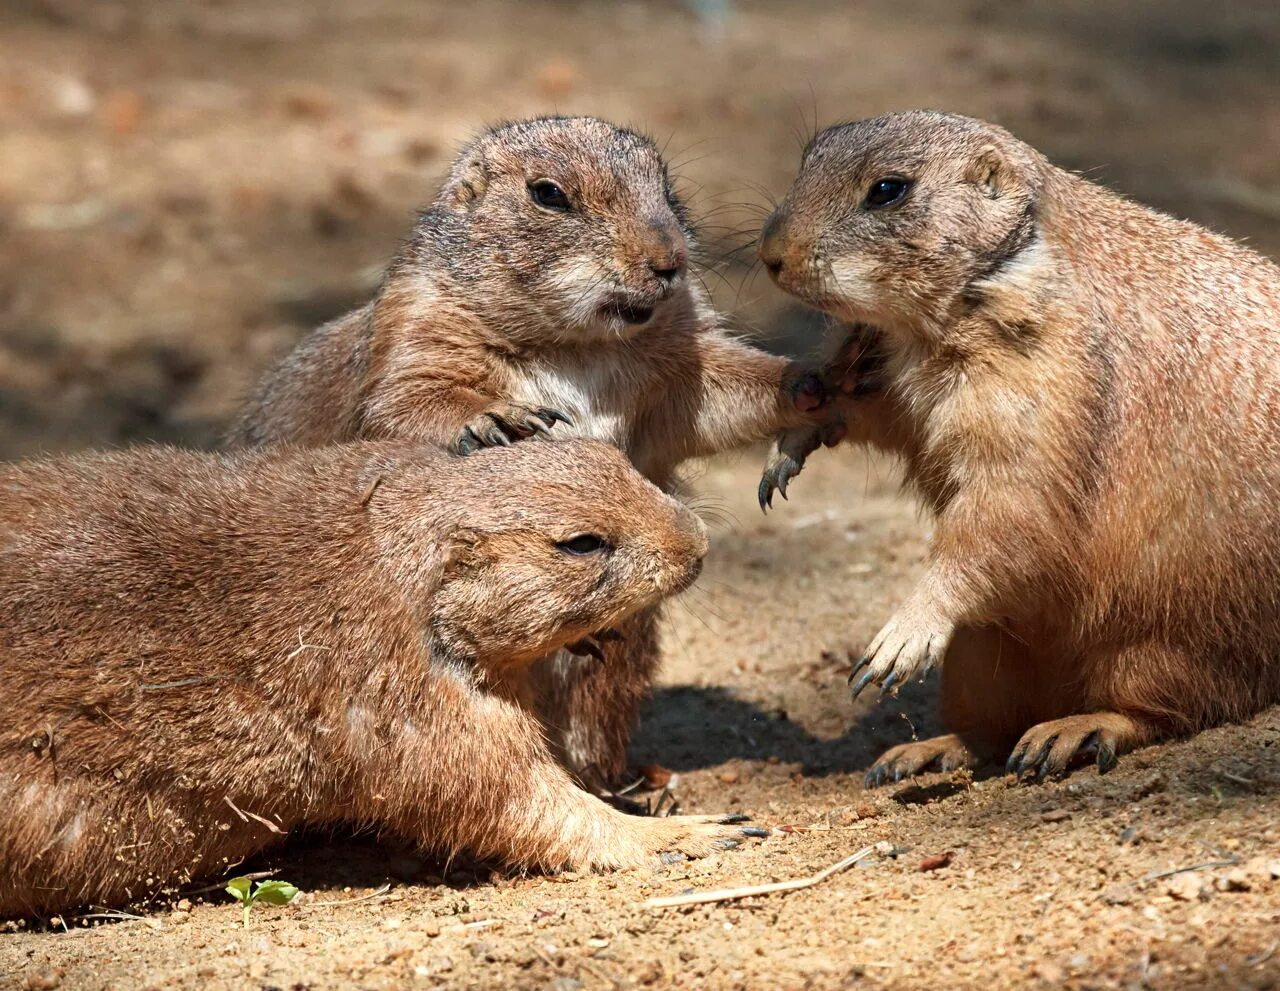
(202, 652)
(1085, 394)
(546, 287)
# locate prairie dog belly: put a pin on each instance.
(600, 398)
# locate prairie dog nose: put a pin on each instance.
(772, 243)
(668, 252)
(692, 544)
(695, 531)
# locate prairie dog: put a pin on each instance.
(201, 652)
(545, 290)
(1085, 395)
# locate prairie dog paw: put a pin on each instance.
(1053, 748)
(942, 753)
(505, 422)
(910, 643)
(646, 841)
(786, 460)
(676, 838)
(788, 455)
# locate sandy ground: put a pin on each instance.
(189, 186)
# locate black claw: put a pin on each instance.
(863, 661)
(537, 426)
(765, 494)
(783, 479)
(609, 636)
(499, 437)
(755, 832)
(1107, 757)
(468, 442)
(670, 857)
(1011, 765)
(1038, 763)
(734, 819)
(863, 682)
(726, 844)
(555, 416)
(889, 682)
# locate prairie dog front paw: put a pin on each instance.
(504, 422)
(914, 641)
(788, 455)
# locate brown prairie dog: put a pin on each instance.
(194, 646)
(546, 289)
(1085, 394)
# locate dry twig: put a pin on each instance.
(1157, 875)
(120, 917)
(731, 894)
(255, 875)
(351, 901)
(1261, 958)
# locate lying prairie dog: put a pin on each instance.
(202, 652)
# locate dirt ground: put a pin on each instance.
(187, 186)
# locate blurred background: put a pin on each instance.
(187, 186)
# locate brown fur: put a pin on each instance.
(497, 309)
(194, 645)
(1086, 396)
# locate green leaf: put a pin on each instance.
(275, 892)
(238, 888)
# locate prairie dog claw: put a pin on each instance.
(503, 423)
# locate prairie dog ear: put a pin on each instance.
(466, 551)
(990, 172)
(467, 182)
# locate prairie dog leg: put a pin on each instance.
(590, 708)
(990, 694)
(496, 791)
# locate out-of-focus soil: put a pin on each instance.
(188, 186)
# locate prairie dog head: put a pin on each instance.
(537, 546)
(568, 227)
(894, 221)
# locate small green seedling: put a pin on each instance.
(271, 892)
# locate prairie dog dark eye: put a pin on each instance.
(583, 544)
(549, 196)
(886, 192)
